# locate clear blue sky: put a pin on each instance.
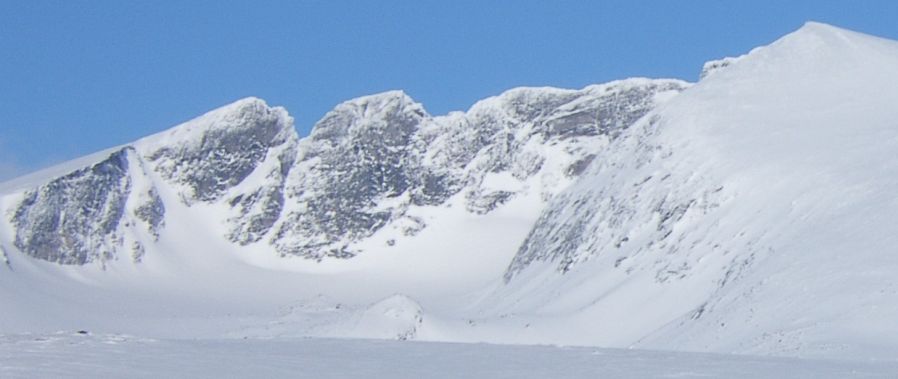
(79, 76)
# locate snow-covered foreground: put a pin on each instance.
(83, 355)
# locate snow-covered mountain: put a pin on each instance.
(750, 212)
(111, 208)
(365, 164)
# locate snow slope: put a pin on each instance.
(749, 213)
(753, 213)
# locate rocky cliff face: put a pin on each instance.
(75, 219)
(112, 208)
(631, 205)
(365, 164)
(372, 158)
(210, 155)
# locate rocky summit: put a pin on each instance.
(364, 165)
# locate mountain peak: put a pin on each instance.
(244, 103)
(818, 34)
(243, 114)
(380, 101)
(807, 56)
(819, 38)
(816, 27)
(219, 149)
(391, 109)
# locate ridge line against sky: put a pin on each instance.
(81, 76)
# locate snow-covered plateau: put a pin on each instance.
(740, 226)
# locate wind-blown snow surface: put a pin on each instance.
(750, 213)
(74, 355)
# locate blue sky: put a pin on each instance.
(80, 76)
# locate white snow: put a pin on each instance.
(758, 215)
(72, 355)
(752, 213)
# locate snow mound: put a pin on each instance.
(396, 317)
